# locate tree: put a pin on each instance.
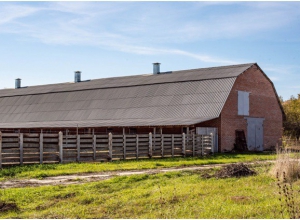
(292, 111)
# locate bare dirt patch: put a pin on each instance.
(230, 170)
(8, 207)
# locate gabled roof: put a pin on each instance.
(174, 98)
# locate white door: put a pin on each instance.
(255, 135)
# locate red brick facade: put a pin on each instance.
(263, 103)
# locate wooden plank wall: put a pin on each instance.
(24, 148)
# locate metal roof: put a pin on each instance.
(178, 98)
(146, 79)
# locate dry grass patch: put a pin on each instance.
(288, 164)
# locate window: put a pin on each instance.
(243, 103)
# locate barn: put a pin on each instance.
(237, 103)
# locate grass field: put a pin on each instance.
(170, 195)
(44, 170)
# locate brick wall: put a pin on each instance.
(262, 104)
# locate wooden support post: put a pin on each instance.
(202, 144)
(66, 137)
(78, 147)
(187, 136)
(162, 145)
(193, 145)
(60, 146)
(21, 147)
(150, 145)
(110, 146)
(154, 138)
(0, 150)
(124, 146)
(94, 145)
(212, 142)
(137, 146)
(41, 147)
(172, 145)
(183, 145)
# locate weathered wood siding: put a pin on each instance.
(24, 148)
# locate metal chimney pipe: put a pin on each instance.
(18, 83)
(77, 77)
(156, 68)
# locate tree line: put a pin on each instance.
(291, 123)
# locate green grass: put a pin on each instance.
(45, 170)
(170, 195)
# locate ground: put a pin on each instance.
(93, 177)
(177, 192)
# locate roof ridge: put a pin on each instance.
(218, 67)
(129, 81)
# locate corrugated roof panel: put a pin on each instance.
(24, 100)
(21, 109)
(164, 103)
(11, 109)
(5, 118)
(6, 109)
(12, 100)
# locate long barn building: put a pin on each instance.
(220, 100)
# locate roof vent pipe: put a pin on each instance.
(77, 77)
(18, 83)
(156, 69)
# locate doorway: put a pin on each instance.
(255, 135)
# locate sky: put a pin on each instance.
(45, 42)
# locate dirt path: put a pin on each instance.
(91, 177)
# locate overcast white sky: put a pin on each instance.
(45, 42)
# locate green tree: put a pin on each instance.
(292, 111)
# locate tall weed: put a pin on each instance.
(287, 163)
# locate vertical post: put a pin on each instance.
(124, 146)
(21, 147)
(212, 142)
(0, 150)
(187, 136)
(183, 145)
(202, 144)
(193, 145)
(162, 145)
(60, 146)
(41, 146)
(110, 146)
(94, 146)
(172, 145)
(67, 131)
(150, 145)
(154, 138)
(137, 146)
(78, 147)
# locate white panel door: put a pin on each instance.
(255, 135)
